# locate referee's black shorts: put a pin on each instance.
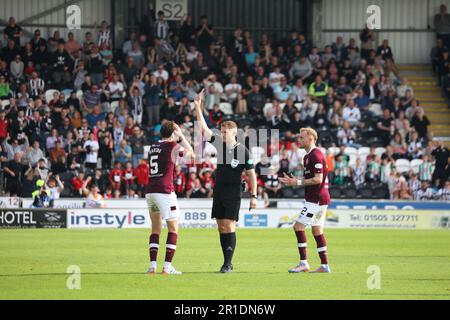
(226, 203)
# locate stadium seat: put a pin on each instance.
(288, 193)
(67, 93)
(66, 175)
(79, 94)
(376, 109)
(350, 151)
(114, 105)
(381, 192)
(365, 192)
(352, 160)
(350, 192)
(266, 108)
(67, 192)
(299, 106)
(335, 192)
(226, 108)
(334, 150)
(363, 152)
(415, 164)
(300, 192)
(379, 151)
(402, 165)
(49, 95)
(5, 103)
(257, 153)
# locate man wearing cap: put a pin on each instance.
(41, 197)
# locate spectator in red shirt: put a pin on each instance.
(108, 193)
(77, 183)
(128, 175)
(207, 181)
(142, 174)
(57, 152)
(4, 126)
(216, 115)
(191, 181)
(115, 176)
(179, 181)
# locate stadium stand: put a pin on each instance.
(72, 110)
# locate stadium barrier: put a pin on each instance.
(195, 213)
(264, 218)
(294, 204)
(33, 218)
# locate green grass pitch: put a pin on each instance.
(413, 265)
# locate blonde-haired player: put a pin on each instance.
(317, 199)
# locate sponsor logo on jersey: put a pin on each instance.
(234, 163)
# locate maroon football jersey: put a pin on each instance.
(162, 157)
(315, 162)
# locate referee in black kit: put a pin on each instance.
(233, 158)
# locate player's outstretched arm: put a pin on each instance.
(198, 102)
(184, 143)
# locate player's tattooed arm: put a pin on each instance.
(198, 102)
(290, 180)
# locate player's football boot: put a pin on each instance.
(171, 270)
(322, 269)
(302, 267)
(226, 268)
(151, 271)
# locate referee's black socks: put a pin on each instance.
(228, 243)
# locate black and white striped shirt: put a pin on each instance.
(104, 37)
(137, 105)
(37, 87)
(162, 29)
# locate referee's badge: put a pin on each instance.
(234, 163)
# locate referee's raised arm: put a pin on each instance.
(198, 102)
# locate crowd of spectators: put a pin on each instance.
(71, 110)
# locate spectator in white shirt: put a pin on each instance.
(275, 77)
(299, 92)
(346, 135)
(443, 194)
(116, 88)
(414, 184)
(161, 73)
(295, 156)
(192, 54)
(351, 113)
(425, 193)
(91, 148)
(401, 89)
(232, 90)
